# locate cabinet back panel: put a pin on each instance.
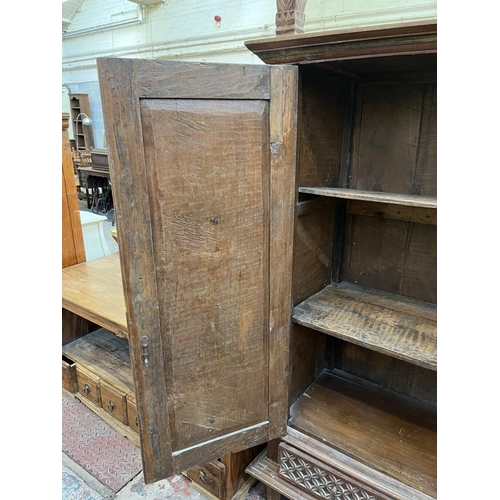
(387, 372)
(419, 277)
(392, 255)
(320, 127)
(425, 182)
(394, 139)
(208, 182)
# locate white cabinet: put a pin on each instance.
(93, 235)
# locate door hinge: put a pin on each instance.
(145, 350)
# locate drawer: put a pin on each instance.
(114, 401)
(319, 479)
(69, 375)
(132, 413)
(211, 477)
(88, 385)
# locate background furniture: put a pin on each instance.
(97, 187)
(93, 235)
(79, 103)
(73, 250)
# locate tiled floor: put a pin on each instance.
(92, 443)
(100, 464)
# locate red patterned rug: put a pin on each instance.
(94, 445)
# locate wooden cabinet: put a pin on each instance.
(79, 103)
(73, 249)
(277, 235)
(362, 421)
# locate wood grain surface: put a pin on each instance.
(373, 196)
(393, 145)
(93, 290)
(392, 255)
(73, 249)
(195, 183)
(387, 435)
(211, 255)
(106, 355)
(332, 457)
(390, 40)
(283, 163)
(387, 323)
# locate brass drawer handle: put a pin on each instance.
(111, 406)
(86, 389)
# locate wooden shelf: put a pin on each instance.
(391, 436)
(94, 291)
(395, 325)
(407, 200)
(104, 354)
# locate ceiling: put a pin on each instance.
(69, 9)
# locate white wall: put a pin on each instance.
(185, 29)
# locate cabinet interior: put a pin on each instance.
(363, 340)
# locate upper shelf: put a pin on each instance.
(94, 291)
(395, 325)
(407, 200)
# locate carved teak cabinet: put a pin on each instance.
(277, 241)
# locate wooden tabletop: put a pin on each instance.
(94, 291)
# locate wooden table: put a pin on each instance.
(93, 290)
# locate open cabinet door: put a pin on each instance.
(202, 160)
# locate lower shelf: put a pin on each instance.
(388, 435)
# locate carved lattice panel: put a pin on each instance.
(320, 482)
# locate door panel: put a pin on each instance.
(208, 172)
(202, 162)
